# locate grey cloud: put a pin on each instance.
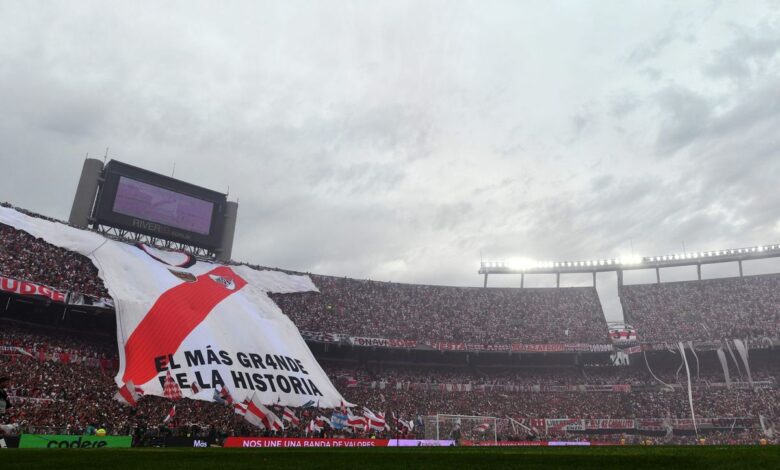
(384, 141)
(685, 118)
(601, 182)
(450, 216)
(751, 53)
(356, 179)
(649, 50)
(624, 103)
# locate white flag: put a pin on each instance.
(205, 323)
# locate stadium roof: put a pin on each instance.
(630, 262)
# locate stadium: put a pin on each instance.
(695, 362)
(389, 234)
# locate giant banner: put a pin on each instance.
(206, 324)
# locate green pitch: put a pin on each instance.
(623, 458)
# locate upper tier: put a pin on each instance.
(468, 314)
(705, 310)
(367, 308)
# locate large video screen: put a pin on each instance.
(141, 201)
(146, 201)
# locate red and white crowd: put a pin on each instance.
(713, 309)
(62, 382)
(457, 314)
(65, 397)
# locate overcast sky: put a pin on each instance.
(400, 140)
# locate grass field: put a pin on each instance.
(624, 458)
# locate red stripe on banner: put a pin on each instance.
(127, 395)
(172, 318)
(253, 409)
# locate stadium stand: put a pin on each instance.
(713, 309)
(491, 316)
(56, 394)
(62, 380)
(24, 257)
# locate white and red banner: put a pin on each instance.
(560, 347)
(597, 424)
(24, 288)
(383, 342)
(205, 323)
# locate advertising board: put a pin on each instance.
(42, 441)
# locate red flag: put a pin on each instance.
(313, 427)
(356, 421)
(289, 415)
(171, 414)
(375, 421)
(225, 394)
(240, 408)
(261, 416)
(171, 388)
(194, 388)
(128, 394)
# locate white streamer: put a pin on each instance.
(690, 392)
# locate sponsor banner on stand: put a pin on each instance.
(41, 441)
(383, 342)
(742, 385)
(254, 442)
(598, 424)
(711, 423)
(202, 323)
(321, 337)
(564, 424)
(560, 347)
(503, 443)
(519, 347)
(446, 345)
(650, 424)
(533, 443)
(420, 443)
(620, 388)
(31, 289)
(488, 347)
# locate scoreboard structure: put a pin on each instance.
(139, 205)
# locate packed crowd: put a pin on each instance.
(420, 312)
(696, 310)
(51, 396)
(713, 309)
(367, 308)
(27, 258)
(398, 376)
